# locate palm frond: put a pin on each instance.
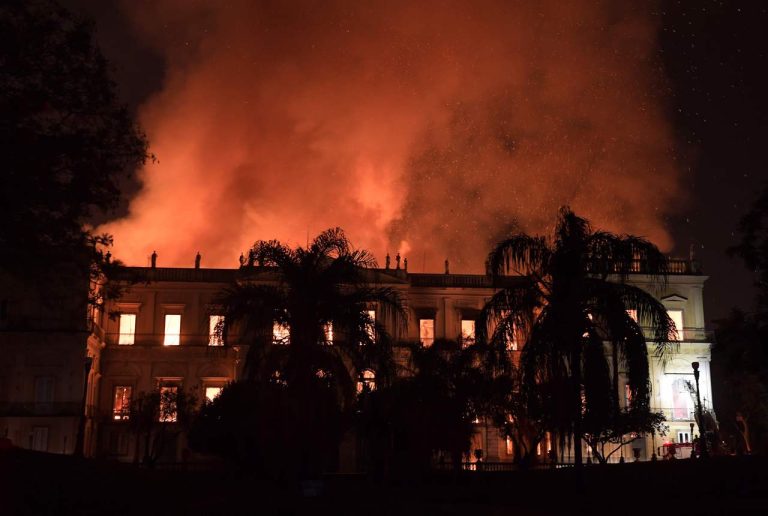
(520, 254)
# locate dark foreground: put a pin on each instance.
(34, 483)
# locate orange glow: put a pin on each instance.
(421, 127)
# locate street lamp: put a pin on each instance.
(700, 413)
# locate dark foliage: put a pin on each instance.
(66, 142)
(572, 300)
(272, 429)
(425, 416)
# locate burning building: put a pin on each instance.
(161, 337)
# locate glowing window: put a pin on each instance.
(214, 338)
(632, 313)
(281, 333)
(328, 332)
(510, 447)
(426, 332)
(370, 326)
(677, 318)
(121, 405)
(127, 329)
(511, 336)
(627, 395)
(367, 381)
(168, 403)
(212, 392)
(467, 330)
(172, 330)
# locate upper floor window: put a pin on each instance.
(677, 318)
(127, 329)
(632, 313)
(172, 330)
(281, 333)
(214, 337)
(121, 405)
(427, 332)
(370, 326)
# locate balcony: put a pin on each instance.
(683, 414)
(689, 334)
(675, 267)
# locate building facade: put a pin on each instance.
(160, 335)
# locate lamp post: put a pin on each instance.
(699, 413)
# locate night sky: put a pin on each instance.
(714, 57)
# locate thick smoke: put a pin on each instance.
(427, 128)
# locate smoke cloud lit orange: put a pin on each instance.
(422, 127)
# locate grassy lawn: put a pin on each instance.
(36, 483)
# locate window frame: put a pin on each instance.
(426, 341)
(121, 335)
(213, 339)
(168, 339)
(125, 413)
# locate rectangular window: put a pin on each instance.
(370, 326)
(172, 330)
(677, 318)
(127, 329)
(212, 392)
(632, 313)
(168, 403)
(215, 339)
(683, 437)
(426, 332)
(627, 396)
(467, 331)
(509, 446)
(281, 333)
(328, 333)
(512, 339)
(121, 406)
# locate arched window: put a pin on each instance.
(366, 381)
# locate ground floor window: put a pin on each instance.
(121, 405)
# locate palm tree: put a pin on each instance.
(311, 321)
(322, 302)
(569, 300)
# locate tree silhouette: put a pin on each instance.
(308, 329)
(571, 303)
(66, 142)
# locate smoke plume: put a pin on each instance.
(429, 128)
